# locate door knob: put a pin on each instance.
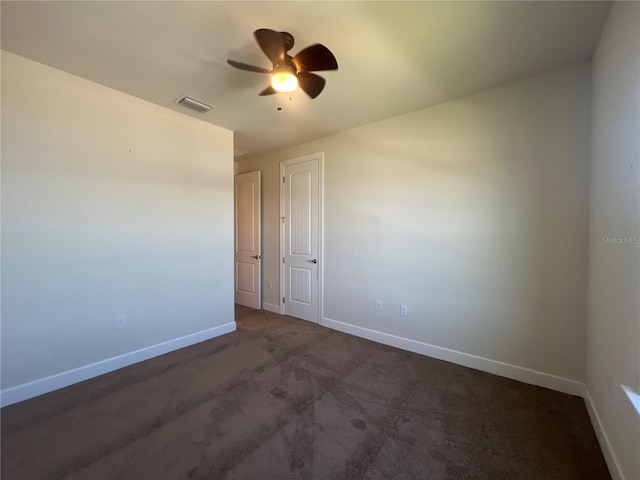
(315, 260)
(255, 256)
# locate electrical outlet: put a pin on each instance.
(378, 305)
(121, 321)
(404, 310)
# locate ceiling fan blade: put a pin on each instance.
(314, 58)
(267, 91)
(311, 83)
(250, 68)
(272, 44)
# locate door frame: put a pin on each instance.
(284, 163)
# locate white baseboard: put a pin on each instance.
(270, 307)
(603, 439)
(44, 385)
(495, 367)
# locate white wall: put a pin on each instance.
(473, 213)
(613, 328)
(110, 205)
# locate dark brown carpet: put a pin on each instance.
(283, 398)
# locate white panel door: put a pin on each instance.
(301, 191)
(247, 240)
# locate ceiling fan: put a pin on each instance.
(290, 72)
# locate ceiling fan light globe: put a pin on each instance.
(284, 82)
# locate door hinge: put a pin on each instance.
(283, 300)
(283, 180)
(282, 259)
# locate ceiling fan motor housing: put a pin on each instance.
(287, 41)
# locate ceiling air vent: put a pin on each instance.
(193, 104)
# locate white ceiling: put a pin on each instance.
(394, 57)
